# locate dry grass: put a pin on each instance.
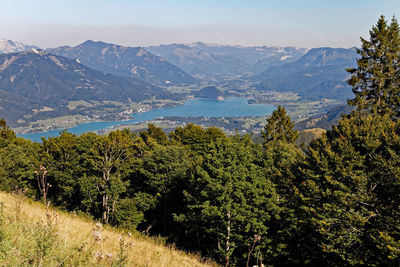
(306, 136)
(31, 235)
(315, 131)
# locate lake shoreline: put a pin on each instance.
(231, 107)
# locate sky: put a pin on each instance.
(300, 23)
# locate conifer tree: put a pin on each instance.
(279, 127)
(376, 79)
(350, 185)
(280, 161)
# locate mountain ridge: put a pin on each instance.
(317, 74)
(39, 79)
(126, 62)
(203, 59)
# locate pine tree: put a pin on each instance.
(376, 80)
(279, 127)
(350, 185)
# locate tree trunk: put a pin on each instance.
(105, 208)
(228, 236)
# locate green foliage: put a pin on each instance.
(61, 156)
(108, 156)
(281, 161)
(6, 134)
(126, 215)
(229, 202)
(376, 79)
(351, 185)
(164, 171)
(279, 127)
(154, 133)
(195, 137)
(16, 167)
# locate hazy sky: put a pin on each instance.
(302, 23)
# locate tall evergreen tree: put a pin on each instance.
(376, 80)
(350, 187)
(280, 161)
(279, 127)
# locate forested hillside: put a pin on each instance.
(335, 202)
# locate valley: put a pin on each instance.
(61, 88)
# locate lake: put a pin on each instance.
(230, 107)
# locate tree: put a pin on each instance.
(279, 127)
(16, 167)
(62, 157)
(43, 185)
(195, 137)
(6, 134)
(350, 187)
(280, 165)
(126, 214)
(108, 155)
(376, 80)
(164, 172)
(155, 133)
(230, 203)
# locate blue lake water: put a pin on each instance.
(231, 107)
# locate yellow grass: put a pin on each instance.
(22, 221)
(315, 131)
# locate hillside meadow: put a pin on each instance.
(33, 235)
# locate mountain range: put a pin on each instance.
(320, 73)
(210, 60)
(35, 80)
(9, 46)
(126, 62)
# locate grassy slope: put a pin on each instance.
(30, 235)
(306, 136)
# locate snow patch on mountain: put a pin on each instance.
(9, 46)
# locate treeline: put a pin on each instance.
(335, 202)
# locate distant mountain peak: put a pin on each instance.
(324, 56)
(37, 51)
(92, 43)
(9, 46)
